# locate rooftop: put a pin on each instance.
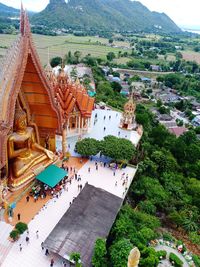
(90, 216)
(178, 130)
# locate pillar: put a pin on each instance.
(64, 141)
(76, 123)
(79, 124)
(82, 123)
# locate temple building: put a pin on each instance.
(35, 105)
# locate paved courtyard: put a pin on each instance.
(32, 255)
(111, 123)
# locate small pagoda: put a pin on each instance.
(127, 121)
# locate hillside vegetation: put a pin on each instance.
(122, 15)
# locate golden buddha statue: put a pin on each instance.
(23, 150)
(134, 258)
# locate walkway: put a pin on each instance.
(32, 255)
(169, 250)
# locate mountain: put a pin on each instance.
(107, 15)
(7, 11)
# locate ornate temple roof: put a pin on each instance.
(22, 73)
(69, 94)
(130, 106)
(47, 99)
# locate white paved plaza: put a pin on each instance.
(111, 123)
(32, 255)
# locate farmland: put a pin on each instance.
(60, 45)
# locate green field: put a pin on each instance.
(60, 45)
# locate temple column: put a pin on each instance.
(64, 140)
(67, 125)
(79, 124)
(82, 123)
(76, 123)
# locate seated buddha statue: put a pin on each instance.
(23, 150)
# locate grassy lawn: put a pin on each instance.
(60, 45)
(121, 60)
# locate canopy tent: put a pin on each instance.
(52, 175)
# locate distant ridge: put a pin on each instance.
(119, 15)
(6, 11)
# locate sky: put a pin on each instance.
(183, 12)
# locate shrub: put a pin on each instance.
(21, 227)
(168, 237)
(176, 260)
(161, 254)
(14, 234)
(196, 260)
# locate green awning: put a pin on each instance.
(52, 175)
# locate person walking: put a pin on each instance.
(42, 245)
(52, 263)
(116, 183)
(27, 199)
(47, 252)
(20, 247)
(27, 240)
(104, 129)
(37, 234)
(89, 169)
(18, 216)
(97, 167)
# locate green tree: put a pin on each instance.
(147, 206)
(193, 189)
(76, 257)
(55, 61)
(149, 258)
(119, 252)
(119, 149)
(116, 86)
(88, 147)
(77, 55)
(110, 56)
(100, 252)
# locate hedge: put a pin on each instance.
(14, 234)
(21, 227)
(176, 260)
(161, 253)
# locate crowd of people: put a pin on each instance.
(43, 190)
